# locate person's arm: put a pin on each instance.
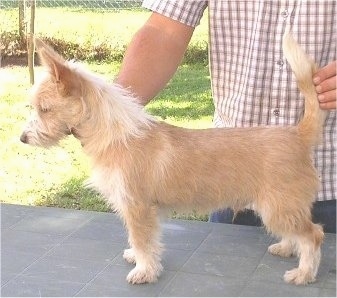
(153, 56)
(325, 81)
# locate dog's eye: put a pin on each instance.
(44, 109)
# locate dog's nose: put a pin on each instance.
(24, 138)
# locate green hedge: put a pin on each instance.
(102, 52)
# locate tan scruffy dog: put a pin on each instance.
(143, 166)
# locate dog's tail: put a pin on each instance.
(311, 125)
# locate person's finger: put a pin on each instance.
(325, 72)
(327, 85)
(328, 105)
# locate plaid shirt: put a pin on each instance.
(251, 83)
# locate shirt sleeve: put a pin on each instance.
(188, 12)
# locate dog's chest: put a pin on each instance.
(110, 183)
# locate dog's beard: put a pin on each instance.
(37, 134)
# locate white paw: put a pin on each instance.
(129, 256)
(140, 275)
(279, 249)
(298, 277)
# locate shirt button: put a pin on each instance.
(276, 112)
(280, 63)
(284, 13)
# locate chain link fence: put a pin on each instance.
(95, 4)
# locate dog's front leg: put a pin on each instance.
(142, 223)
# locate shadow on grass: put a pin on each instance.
(74, 195)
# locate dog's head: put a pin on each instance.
(56, 99)
(70, 99)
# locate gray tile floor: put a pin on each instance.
(58, 252)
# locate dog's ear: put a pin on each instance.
(65, 78)
(50, 59)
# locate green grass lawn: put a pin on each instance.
(54, 177)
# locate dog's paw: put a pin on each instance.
(129, 256)
(141, 275)
(298, 277)
(281, 250)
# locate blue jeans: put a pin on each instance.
(323, 212)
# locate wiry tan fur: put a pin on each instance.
(143, 166)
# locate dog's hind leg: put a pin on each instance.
(142, 223)
(285, 248)
(299, 235)
(308, 246)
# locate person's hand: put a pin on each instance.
(325, 82)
